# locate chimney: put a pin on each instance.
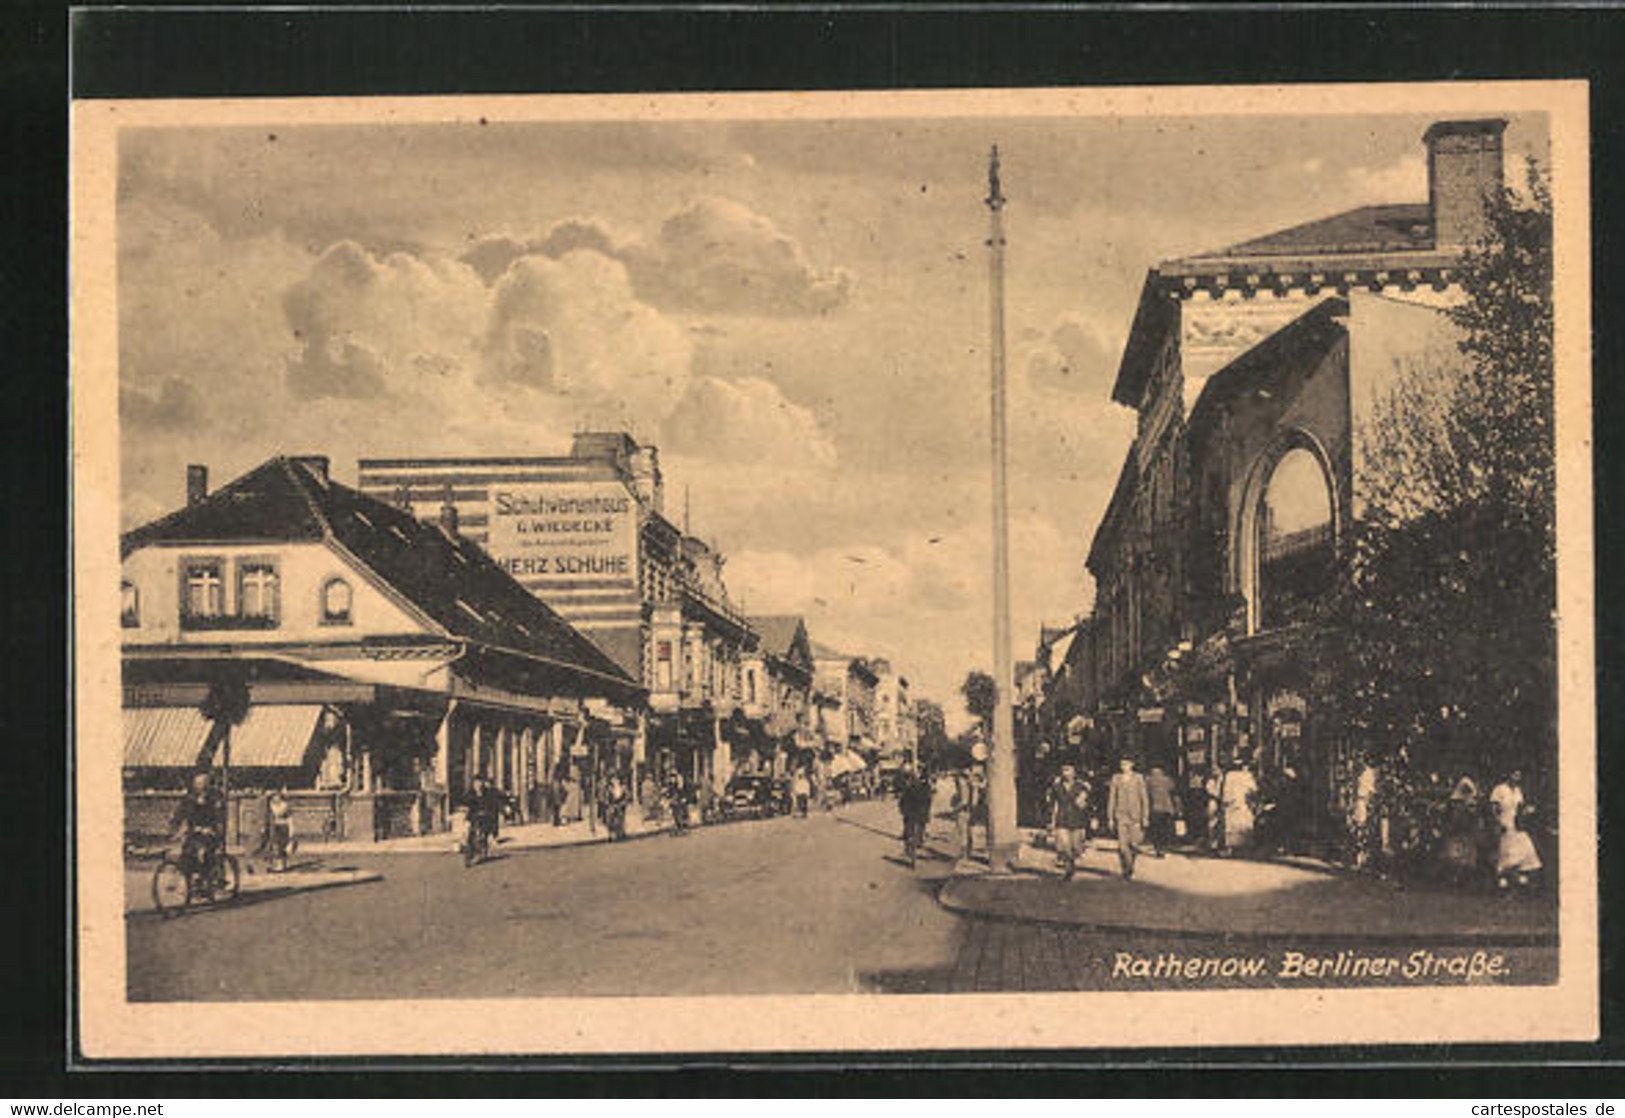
(448, 514)
(316, 464)
(197, 484)
(1464, 171)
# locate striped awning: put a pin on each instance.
(173, 737)
(274, 737)
(164, 737)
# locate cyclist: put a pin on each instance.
(616, 797)
(200, 822)
(484, 809)
(677, 797)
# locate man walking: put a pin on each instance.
(1068, 819)
(1128, 810)
(914, 803)
(1164, 806)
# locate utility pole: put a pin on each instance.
(1002, 838)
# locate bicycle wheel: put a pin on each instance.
(230, 880)
(170, 888)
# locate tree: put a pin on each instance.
(980, 694)
(1442, 639)
(933, 728)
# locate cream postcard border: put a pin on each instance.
(111, 1027)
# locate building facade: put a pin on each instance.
(1251, 370)
(383, 661)
(848, 682)
(779, 691)
(896, 729)
(587, 533)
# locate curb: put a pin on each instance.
(276, 888)
(1421, 939)
(356, 848)
(454, 845)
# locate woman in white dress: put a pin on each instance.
(1515, 855)
(1237, 795)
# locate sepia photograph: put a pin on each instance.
(980, 569)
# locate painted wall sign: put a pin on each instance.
(581, 530)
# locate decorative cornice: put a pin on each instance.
(1240, 280)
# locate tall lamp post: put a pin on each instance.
(1002, 838)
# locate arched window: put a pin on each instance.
(1295, 545)
(336, 600)
(129, 605)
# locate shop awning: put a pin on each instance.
(274, 737)
(847, 763)
(164, 737)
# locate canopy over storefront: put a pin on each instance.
(847, 762)
(270, 737)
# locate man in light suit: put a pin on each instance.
(1128, 810)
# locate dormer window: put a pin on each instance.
(337, 599)
(129, 606)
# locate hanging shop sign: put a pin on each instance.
(1151, 715)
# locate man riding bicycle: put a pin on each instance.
(484, 811)
(200, 821)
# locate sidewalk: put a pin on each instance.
(1195, 895)
(304, 876)
(513, 836)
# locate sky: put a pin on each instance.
(794, 312)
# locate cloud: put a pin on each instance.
(1404, 180)
(573, 327)
(367, 323)
(746, 422)
(714, 256)
(176, 405)
(1072, 359)
(719, 256)
(236, 348)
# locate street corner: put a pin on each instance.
(1234, 898)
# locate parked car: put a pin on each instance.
(757, 797)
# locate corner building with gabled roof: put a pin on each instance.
(385, 662)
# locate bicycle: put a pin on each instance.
(477, 843)
(174, 889)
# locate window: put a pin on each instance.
(205, 598)
(1295, 548)
(257, 590)
(663, 665)
(129, 606)
(336, 601)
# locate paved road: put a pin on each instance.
(781, 906)
(776, 906)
